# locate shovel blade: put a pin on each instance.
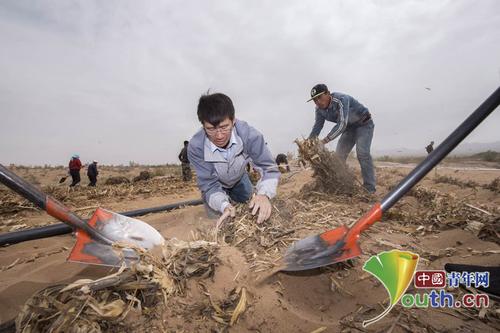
(90, 251)
(320, 250)
(117, 228)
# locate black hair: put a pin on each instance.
(186, 142)
(214, 108)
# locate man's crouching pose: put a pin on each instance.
(220, 152)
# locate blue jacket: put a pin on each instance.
(216, 170)
(343, 110)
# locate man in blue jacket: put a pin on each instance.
(220, 152)
(354, 125)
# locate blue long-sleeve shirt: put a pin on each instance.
(343, 110)
(222, 168)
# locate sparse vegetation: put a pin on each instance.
(424, 222)
(494, 185)
(117, 180)
(158, 172)
(487, 156)
(400, 159)
(330, 172)
(456, 181)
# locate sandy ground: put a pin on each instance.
(284, 302)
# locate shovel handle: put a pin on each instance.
(467, 126)
(366, 221)
(22, 187)
(45, 202)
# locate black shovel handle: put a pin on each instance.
(488, 106)
(45, 202)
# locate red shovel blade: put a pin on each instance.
(330, 247)
(320, 250)
(117, 228)
(88, 251)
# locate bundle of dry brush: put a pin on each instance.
(123, 301)
(330, 171)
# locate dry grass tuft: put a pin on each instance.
(119, 301)
(331, 173)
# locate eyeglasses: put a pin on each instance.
(220, 129)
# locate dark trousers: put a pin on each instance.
(92, 179)
(186, 172)
(240, 192)
(75, 176)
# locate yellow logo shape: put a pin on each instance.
(395, 270)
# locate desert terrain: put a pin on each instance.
(451, 216)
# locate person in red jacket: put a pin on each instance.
(74, 169)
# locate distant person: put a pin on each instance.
(74, 169)
(354, 125)
(186, 168)
(92, 173)
(430, 147)
(253, 173)
(220, 152)
(282, 159)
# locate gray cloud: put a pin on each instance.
(119, 80)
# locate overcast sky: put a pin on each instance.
(119, 81)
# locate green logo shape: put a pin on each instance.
(395, 270)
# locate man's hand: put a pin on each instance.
(229, 211)
(262, 204)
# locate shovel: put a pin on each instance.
(341, 244)
(63, 179)
(95, 238)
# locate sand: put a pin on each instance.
(331, 299)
